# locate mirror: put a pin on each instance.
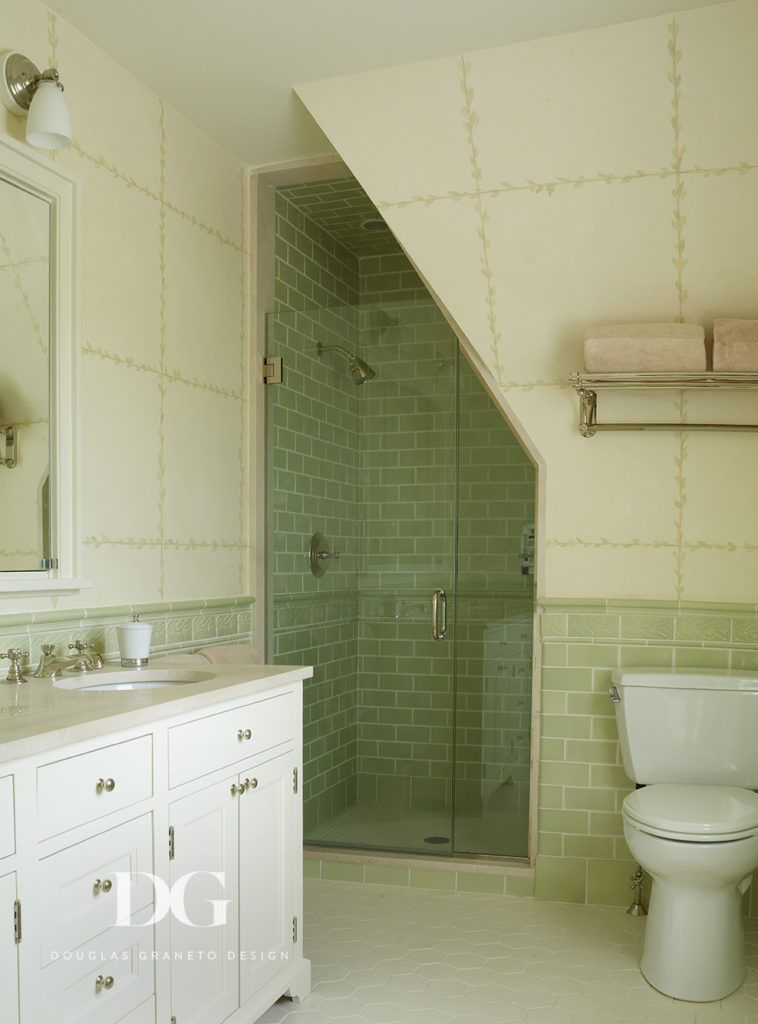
(39, 549)
(25, 542)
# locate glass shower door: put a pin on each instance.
(407, 581)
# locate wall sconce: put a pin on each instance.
(25, 90)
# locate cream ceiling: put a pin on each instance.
(229, 65)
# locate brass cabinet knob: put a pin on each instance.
(105, 784)
(236, 790)
(250, 783)
(244, 734)
(102, 886)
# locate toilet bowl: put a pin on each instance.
(700, 846)
(688, 738)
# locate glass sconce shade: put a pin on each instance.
(48, 125)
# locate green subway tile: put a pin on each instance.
(575, 822)
(562, 774)
(342, 871)
(593, 655)
(610, 777)
(553, 625)
(647, 627)
(602, 824)
(551, 844)
(554, 702)
(745, 631)
(561, 879)
(554, 654)
(427, 879)
(551, 796)
(592, 751)
(387, 875)
(311, 868)
(701, 657)
(745, 660)
(552, 750)
(594, 626)
(566, 679)
(604, 729)
(596, 847)
(519, 885)
(703, 628)
(467, 882)
(608, 882)
(646, 657)
(566, 726)
(590, 799)
(595, 704)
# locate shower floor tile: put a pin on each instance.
(379, 827)
(386, 955)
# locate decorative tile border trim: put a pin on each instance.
(177, 626)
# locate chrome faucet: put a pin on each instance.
(50, 666)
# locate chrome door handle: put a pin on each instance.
(439, 597)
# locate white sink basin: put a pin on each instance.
(133, 679)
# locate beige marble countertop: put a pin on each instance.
(38, 715)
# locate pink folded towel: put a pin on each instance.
(644, 348)
(735, 345)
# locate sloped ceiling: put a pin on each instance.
(230, 65)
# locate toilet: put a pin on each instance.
(690, 739)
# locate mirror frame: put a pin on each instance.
(36, 173)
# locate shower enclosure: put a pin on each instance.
(415, 603)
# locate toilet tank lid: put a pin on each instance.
(686, 679)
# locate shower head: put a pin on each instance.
(361, 371)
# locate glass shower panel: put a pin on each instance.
(495, 606)
(408, 476)
(371, 467)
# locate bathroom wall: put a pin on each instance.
(164, 374)
(609, 175)
(598, 177)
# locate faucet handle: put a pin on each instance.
(48, 649)
(80, 645)
(14, 655)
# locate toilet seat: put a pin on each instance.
(695, 814)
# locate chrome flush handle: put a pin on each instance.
(614, 695)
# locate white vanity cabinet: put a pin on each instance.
(158, 866)
(8, 952)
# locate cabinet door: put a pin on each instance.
(204, 966)
(268, 872)
(8, 952)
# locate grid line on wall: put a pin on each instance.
(470, 121)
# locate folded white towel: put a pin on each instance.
(644, 348)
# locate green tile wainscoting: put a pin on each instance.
(180, 626)
(582, 856)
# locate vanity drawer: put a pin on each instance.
(201, 747)
(80, 887)
(89, 786)
(7, 827)
(122, 958)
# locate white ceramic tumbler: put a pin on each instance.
(134, 642)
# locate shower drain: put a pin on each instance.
(437, 840)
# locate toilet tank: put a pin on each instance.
(691, 726)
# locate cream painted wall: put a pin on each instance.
(164, 376)
(605, 176)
